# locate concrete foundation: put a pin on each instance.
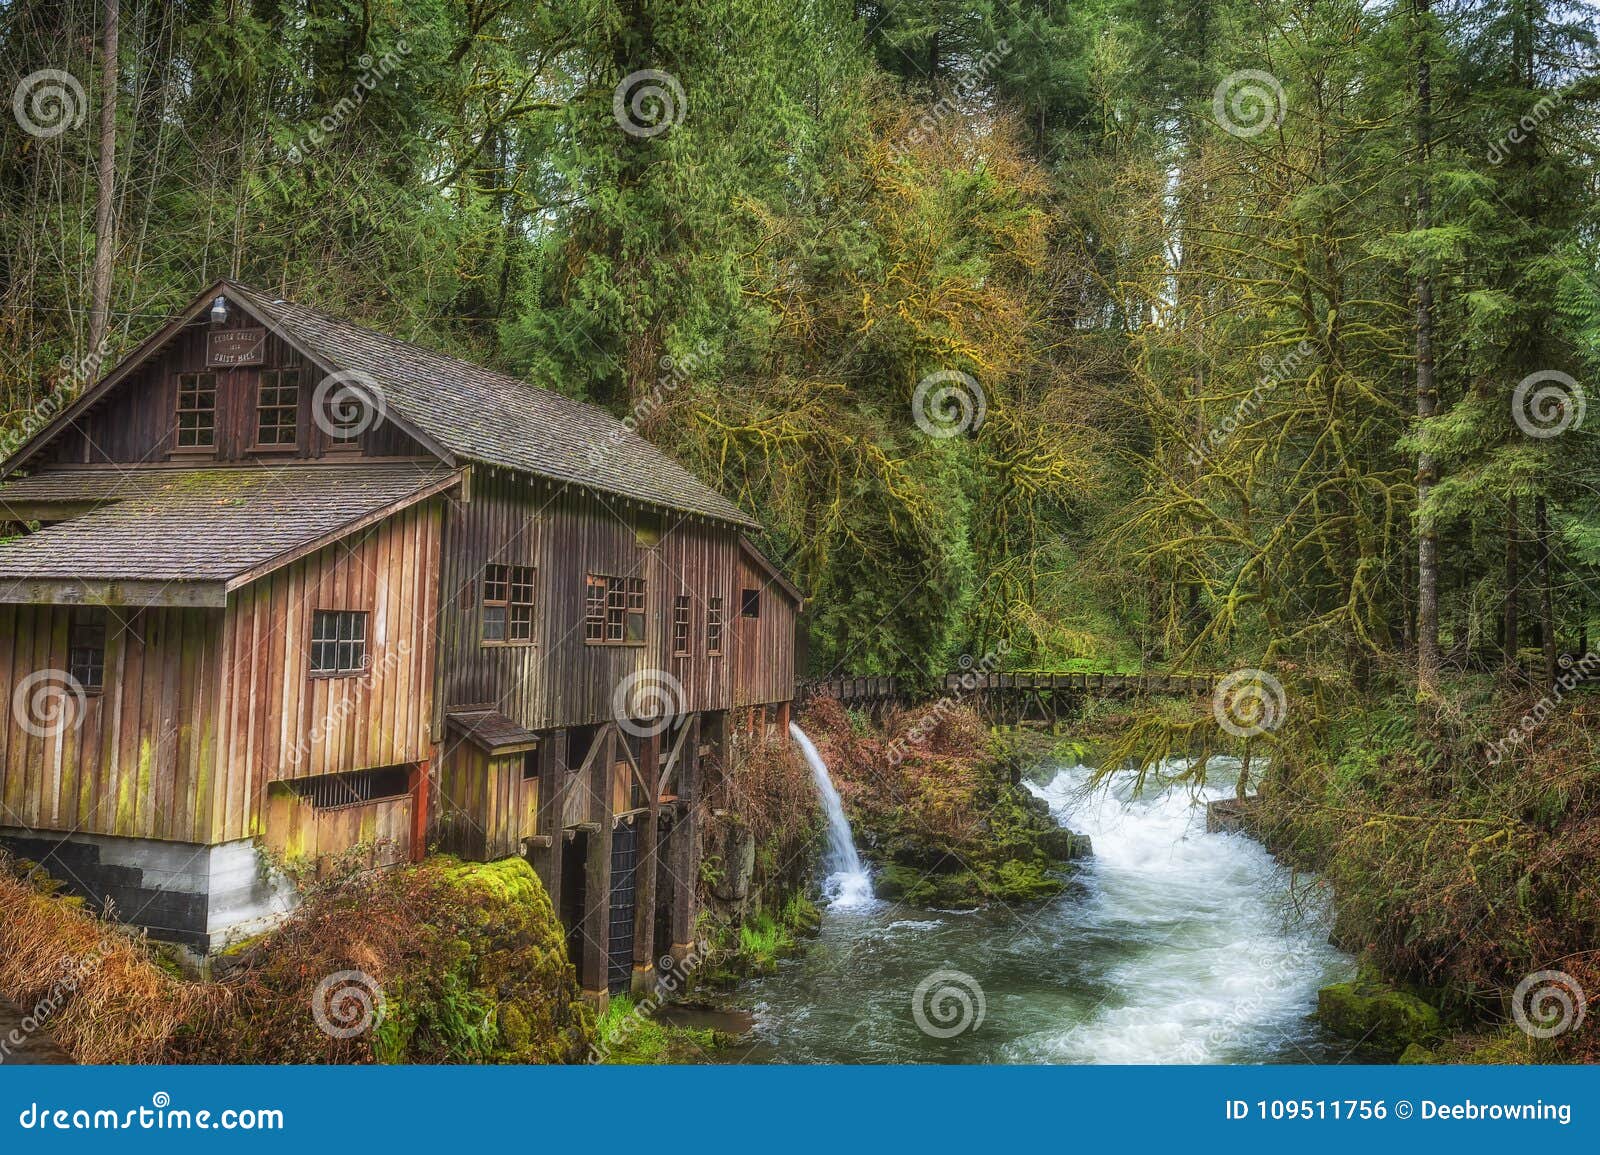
(201, 897)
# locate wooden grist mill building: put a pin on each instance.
(279, 583)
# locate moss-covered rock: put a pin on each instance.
(1064, 846)
(1009, 882)
(1378, 1014)
(1416, 1055)
(444, 962)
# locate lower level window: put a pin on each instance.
(338, 643)
(356, 788)
(86, 648)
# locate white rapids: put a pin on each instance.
(1225, 969)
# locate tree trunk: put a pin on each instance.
(1510, 641)
(1547, 600)
(1427, 398)
(105, 225)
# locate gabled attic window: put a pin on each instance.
(278, 408)
(197, 410)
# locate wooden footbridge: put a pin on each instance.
(1012, 697)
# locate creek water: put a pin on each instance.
(1171, 945)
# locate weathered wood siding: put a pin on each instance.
(560, 680)
(298, 830)
(278, 721)
(138, 759)
(763, 647)
(136, 421)
(486, 807)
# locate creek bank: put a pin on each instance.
(944, 819)
(1459, 868)
(444, 962)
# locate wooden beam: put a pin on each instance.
(672, 758)
(596, 927)
(78, 592)
(642, 981)
(683, 848)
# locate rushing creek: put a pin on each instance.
(1172, 945)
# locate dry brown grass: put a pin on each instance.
(101, 997)
(472, 957)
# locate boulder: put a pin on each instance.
(1064, 846)
(1377, 1013)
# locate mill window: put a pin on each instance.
(354, 788)
(86, 649)
(714, 625)
(197, 410)
(278, 407)
(508, 604)
(338, 643)
(680, 626)
(614, 610)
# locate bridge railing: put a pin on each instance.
(893, 689)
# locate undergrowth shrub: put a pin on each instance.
(467, 960)
(469, 957)
(1458, 865)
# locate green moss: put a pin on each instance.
(1378, 1014)
(629, 1036)
(1508, 1046)
(469, 959)
(1416, 1054)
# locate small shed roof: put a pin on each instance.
(493, 732)
(204, 531)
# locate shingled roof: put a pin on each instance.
(490, 417)
(211, 527)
